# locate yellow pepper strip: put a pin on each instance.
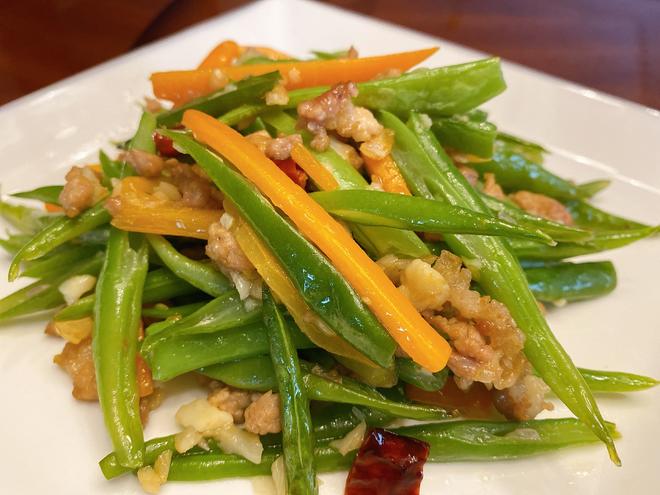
(386, 172)
(222, 55)
(395, 312)
(271, 271)
(184, 85)
(317, 172)
(136, 209)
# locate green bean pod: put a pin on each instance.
(430, 173)
(616, 381)
(47, 194)
(247, 91)
(603, 240)
(163, 312)
(44, 294)
(297, 435)
(115, 342)
(562, 282)
(444, 91)
(23, 218)
(419, 214)
(463, 134)
(588, 216)
(412, 373)
(58, 262)
(57, 233)
(198, 274)
(242, 113)
(161, 284)
(318, 282)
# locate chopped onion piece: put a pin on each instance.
(278, 471)
(234, 440)
(202, 416)
(351, 441)
(74, 287)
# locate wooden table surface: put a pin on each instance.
(611, 45)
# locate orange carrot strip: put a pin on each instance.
(317, 172)
(135, 209)
(182, 86)
(387, 173)
(222, 55)
(53, 208)
(395, 312)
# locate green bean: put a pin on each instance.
(45, 294)
(412, 373)
(161, 284)
(590, 189)
(461, 133)
(14, 242)
(586, 215)
(113, 169)
(444, 91)
(563, 282)
(533, 152)
(377, 241)
(558, 231)
(143, 139)
(419, 214)
(47, 194)
(601, 241)
(430, 173)
(177, 355)
(162, 312)
(318, 282)
(297, 436)
(248, 90)
(349, 391)
(115, 342)
(23, 218)
(198, 274)
(59, 262)
(374, 376)
(455, 441)
(616, 381)
(253, 373)
(242, 113)
(57, 233)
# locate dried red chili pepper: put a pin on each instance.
(387, 464)
(293, 171)
(164, 146)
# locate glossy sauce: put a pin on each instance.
(387, 464)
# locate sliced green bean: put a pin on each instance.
(616, 381)
(586, 215)
(115, 342)
(47, 194)
(444, 91)
(198, 274)
(57, 233)
(23, 218)
(253, 373)
(14, 242)
(412, 373)
(562, 282)
(161, 284)
(143, 139)
(162, 312)
(45, 294)
(413, 213)
(590, 189)
(247, 91)
(242, 113)
(297, 436)
(533, 152)
(59, 262)
(462, 133)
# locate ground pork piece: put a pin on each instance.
(197, 190)
(542, 206)
(77, 361)
(145, 164)
(352, 53)
(470, 174)
(274, 148)
(224, 250)
(263, 415)
(152, 105)
(492, 188)
(81, 190)
(524, 400)
(277, 96)
(334, 111)
(231, 400)
(482, 331)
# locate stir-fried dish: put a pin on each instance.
(331, 245)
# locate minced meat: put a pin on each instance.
(542, 206)
(81, 191)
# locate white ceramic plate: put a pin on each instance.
(51, 443)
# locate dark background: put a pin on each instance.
(611, 45)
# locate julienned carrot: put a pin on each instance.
(136, 209)
(183, 86)
(222, 55)
(395, 312)
(386, 172)
(317, 172)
